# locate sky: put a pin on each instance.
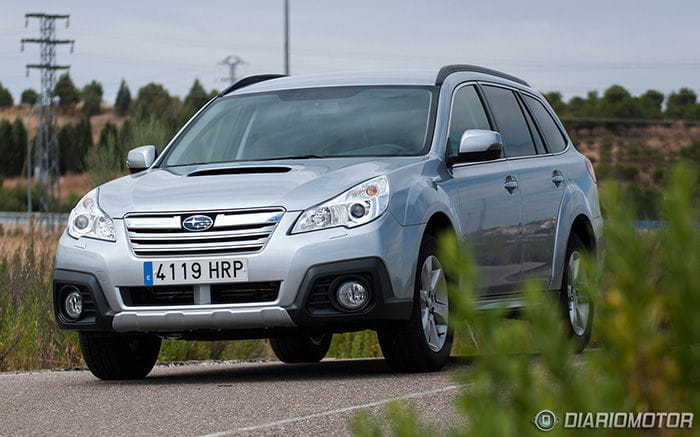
(568, 46)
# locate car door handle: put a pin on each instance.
(557, 178)
(511, 184)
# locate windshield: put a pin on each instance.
(312, 122)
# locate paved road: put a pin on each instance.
(260, 398)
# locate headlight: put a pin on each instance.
(357, 206)
(88, 220)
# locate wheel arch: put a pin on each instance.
(438, 223)
(575, 216)
(583, 227)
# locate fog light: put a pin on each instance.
(73, 304)
(352, 295)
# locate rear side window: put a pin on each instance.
(510, 121)
(467, 113)
(548, 127)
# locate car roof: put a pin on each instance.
(420, 77)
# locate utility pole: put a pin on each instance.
(286, 37)
(231, 62)
(46, 142)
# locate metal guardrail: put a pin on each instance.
(639, 121)
(35, 218)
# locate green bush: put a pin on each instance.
(646, 330)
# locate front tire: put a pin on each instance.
(119, 357)
(423, 343)
(301, 348)
(576, 304)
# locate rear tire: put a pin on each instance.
(576, 305)
(301, 348)
(119, 357)
(423, 343)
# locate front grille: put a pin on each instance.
(244, 231)
(244, 292)
(158, 296)
(174, 295)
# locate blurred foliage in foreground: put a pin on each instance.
(646, 328)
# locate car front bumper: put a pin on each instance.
(383, 251)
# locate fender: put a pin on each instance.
(573, 204)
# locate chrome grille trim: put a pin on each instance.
(235, 231)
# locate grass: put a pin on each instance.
(29, 338)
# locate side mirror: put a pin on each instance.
(480, 141)
(141, 158)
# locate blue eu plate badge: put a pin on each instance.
(148, 273)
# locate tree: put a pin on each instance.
(108, 131)
(197, 96)
(651, 102)
(66, 147)
(66, 91)
(123, 101)
(616, 94)
(92, 98)
(680, 104)
(13, 146)
(5, 97)
(29, 96)
(617, 102)
(75, 141)
(556, 101)
(152, 101)
(7, 145)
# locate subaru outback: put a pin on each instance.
(293, 208)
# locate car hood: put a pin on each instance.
(293, 185)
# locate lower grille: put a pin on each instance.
(183, 295)
(320, 296)
(158, 296)
(245, 292)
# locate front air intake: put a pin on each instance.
(239, 170)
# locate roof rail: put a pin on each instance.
(250, 80)
(449, 69)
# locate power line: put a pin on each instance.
(46, 143)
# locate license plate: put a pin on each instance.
(199, 271)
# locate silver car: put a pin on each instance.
(292, 208)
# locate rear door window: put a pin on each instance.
(467, 113)
(534, 131)
(556, 142)
(510, 121)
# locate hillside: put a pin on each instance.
(65, 116)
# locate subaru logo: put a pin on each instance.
(197, 223)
